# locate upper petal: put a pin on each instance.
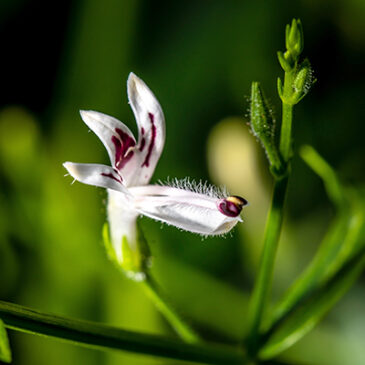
(97, 175)
(117, 139)
(185, 209)
(151, 128)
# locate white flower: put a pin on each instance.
(194, 209)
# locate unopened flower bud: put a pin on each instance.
(303, 81)
(263, 124)
(294, 38)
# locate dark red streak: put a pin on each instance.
(119, 179)
(143, 143)
(146, 162)
(122, 143)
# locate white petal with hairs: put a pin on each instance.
(206, 211)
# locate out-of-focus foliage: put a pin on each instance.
(199, 58)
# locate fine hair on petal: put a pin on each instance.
(199, 187)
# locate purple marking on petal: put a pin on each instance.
(122, 143)
(146, 162)
(110, 175)
(142, 131)
(231, 206)
(143, 143)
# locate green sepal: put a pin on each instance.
(285, 61)
(136, 258)
(108, 244)
(280, 88)
(287, 34)
(143, 248)
(136, 261)
(5, 351)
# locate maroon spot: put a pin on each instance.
(142, 131)
(146, 162)
(228, 208)
(143, 142)
(122, 143)
(110, 175)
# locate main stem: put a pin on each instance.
(153, 290)
(285, 138)
(260, 295)
(96, 335)
(287, 116)
(263, 282)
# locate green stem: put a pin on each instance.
(96, 335)
(263, 282)
(155, 293)
(285, 137)
(287, 116)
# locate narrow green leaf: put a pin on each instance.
(314, 273)
(342, 240)
(5, 352)
(311, 310)
(338, 262)
(96, 335)
(328, 175)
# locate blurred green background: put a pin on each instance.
(199, 58)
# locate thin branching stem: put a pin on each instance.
(155, 293)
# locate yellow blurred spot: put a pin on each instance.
(233, 161)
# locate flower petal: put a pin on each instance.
(187, 210)
(151, 128)
(117, 139)
(97, 175)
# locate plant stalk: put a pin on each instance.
(262, 286)
(96, 335)
(261, 291)
(287, 117)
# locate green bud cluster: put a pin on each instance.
(294, 43)
(300, 73)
